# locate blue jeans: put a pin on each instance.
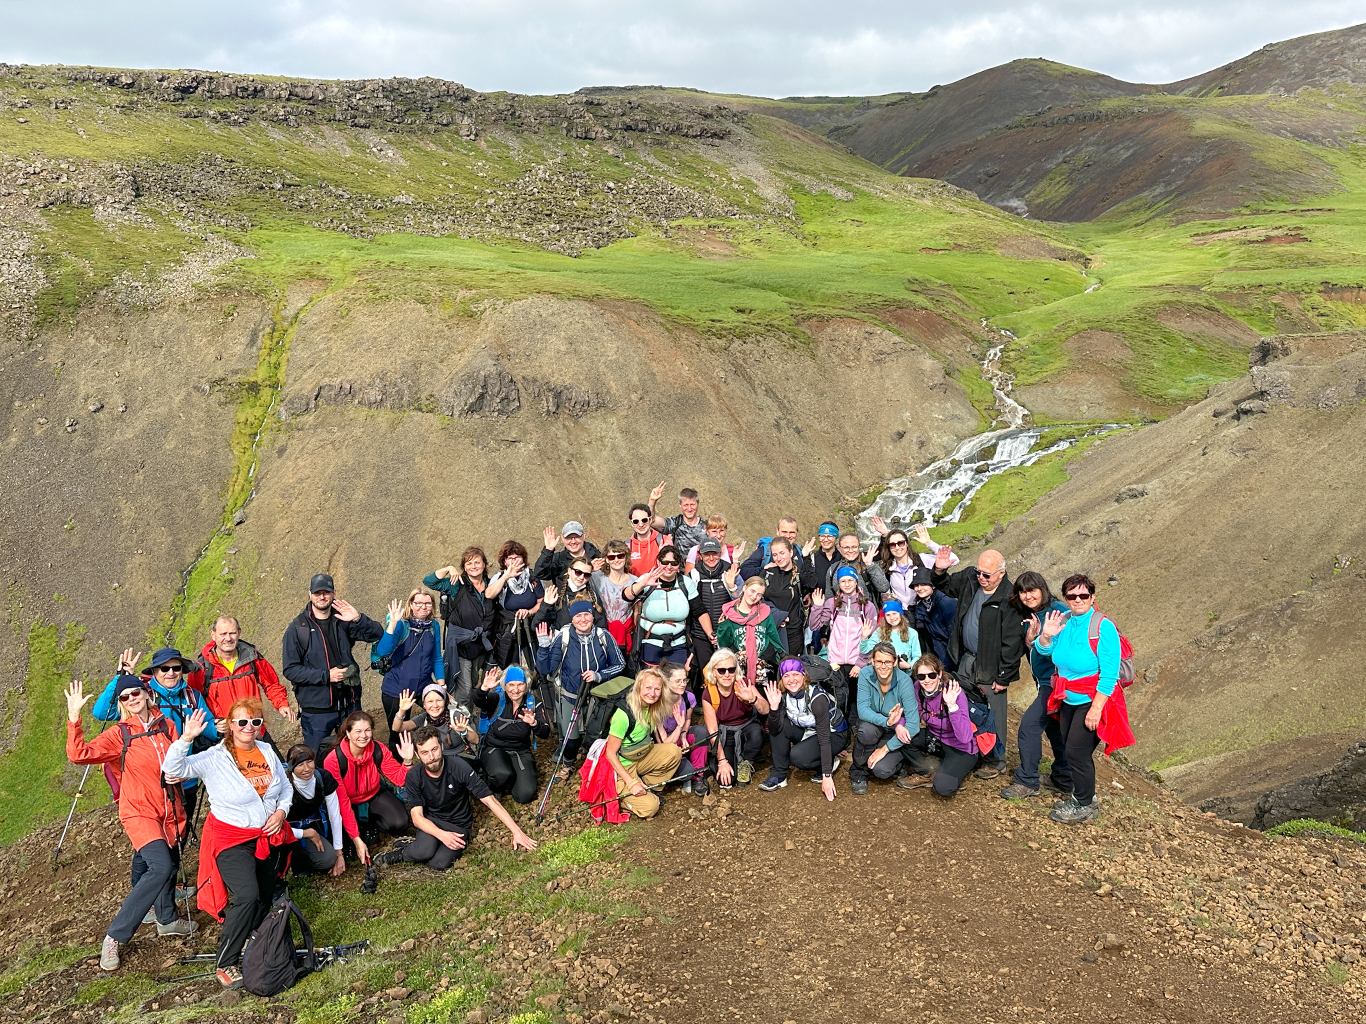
(154, 868)
(318, 725)
(1035, 723)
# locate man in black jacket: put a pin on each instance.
(552, 565)
(987, 641)
(318, 659)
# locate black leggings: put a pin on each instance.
(511, 771)
(386, 814)
(804, 754)
(250, 884)
(740, 742)
(954, 765)
(1081, 745)
(429, 850)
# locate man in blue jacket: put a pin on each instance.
(578, 657)
(318, 659)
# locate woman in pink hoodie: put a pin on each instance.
(845, 612)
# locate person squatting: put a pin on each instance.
(892, 661)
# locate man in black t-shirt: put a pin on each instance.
(437, 794)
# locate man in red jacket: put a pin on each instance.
(233, 669)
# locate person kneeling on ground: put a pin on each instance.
(888, 719)
(731, 706)
(1086, 698)
(806, 727)
(314, 815)
(152, 812)
(638, 761)
(944, 708)
(675, 724)
(361, 766)
(239, 850)
(512, 717)
(437, 793)
(459, 735)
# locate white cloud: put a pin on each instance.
(767, 47)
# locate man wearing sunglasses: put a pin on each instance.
(172, 695)
(987, 642)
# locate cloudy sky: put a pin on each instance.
(761, 47)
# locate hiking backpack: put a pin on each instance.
(271, 962)
(823, 677)
(115, 779)
(604, 699)
(1126, 649)
(376, 754)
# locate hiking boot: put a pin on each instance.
(986, 772)
(181, 928)
(1073, 813)
(109, 954)
(859, 787)
(229, 977)
(388, 859)
(150, 917)
(1071, 798)
(744, 772)
(183, 893)
(818, 778)
(1050, 783)
(1018, 791)
(774, 781)
(701, 787)
(914, 782)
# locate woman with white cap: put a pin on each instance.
(454, 723)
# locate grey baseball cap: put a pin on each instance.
(573, 528)
(710, 546)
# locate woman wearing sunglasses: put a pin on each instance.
(611, 587)
(670, 599)
(576, 586)
(1089, 705)
(944, 710)
(249, 799)
(647, 543)
(731, 706)
(150, 814)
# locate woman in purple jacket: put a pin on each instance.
(944, 710)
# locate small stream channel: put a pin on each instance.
(922, 497)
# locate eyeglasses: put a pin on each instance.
(927, 675)
(725, 670)
(1081, 595)
(242, 723)
(620, 556)
(170, 668)
(896, 543)
(128, 695)
(638, 522)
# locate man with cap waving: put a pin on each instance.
(552, 565)
(318, 659)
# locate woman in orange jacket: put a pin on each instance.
(150, 806)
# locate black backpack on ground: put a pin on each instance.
(271, 962)
(601, 702)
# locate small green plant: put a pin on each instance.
(1309, 826)
(445, 1008)
(1337, 973)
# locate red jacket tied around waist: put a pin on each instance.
(1113, 728)
(218, 836)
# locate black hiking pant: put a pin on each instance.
(1081, 745)
(429, 850)
(250, 884)
(383, 812)
(154, 868)
(1035, 724)
(510, 771)
(949, 770)
(739, 743)
(803, 754)
(867, 738)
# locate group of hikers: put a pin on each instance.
(894, 661)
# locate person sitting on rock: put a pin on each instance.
(888, 719)
(676, 724)
(731, 709)
(640, 764)
(948, 730)
(806, 729)
(1085, 697)
(437, 794)
(314, 815)
(1033, 600)
(511, 717)
(361, 767)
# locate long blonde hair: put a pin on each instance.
(653, 715)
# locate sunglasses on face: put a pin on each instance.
(984, 574)
(639, 522)
(619, 557)
(927, 675)
(1080, 596)
(579, 572)
(725, 670)
(669, 565)
(128, 695)
(896, 544)
(170, 668)
(242, 723)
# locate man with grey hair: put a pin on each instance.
(987, 640)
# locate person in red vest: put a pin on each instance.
(231, 669)
(645, 540)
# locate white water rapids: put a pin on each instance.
(922, 497)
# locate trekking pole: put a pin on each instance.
(80, 792)
(554, 772)
(658, 785)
